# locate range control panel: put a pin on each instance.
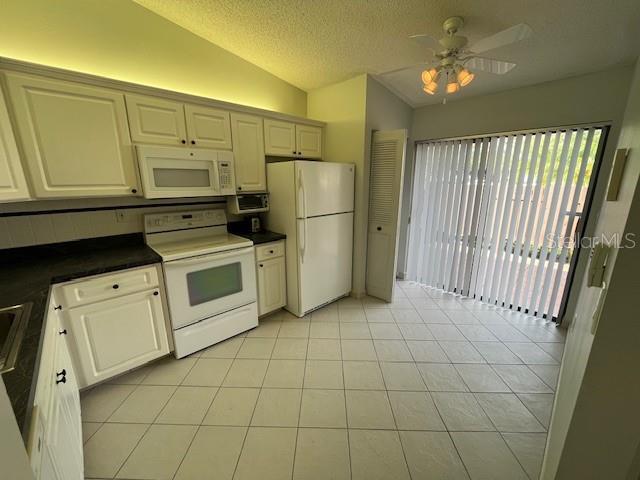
(184, 220)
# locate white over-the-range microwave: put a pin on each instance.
(169, 172)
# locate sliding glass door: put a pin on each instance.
(495, 218)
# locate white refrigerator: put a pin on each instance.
(312, 203)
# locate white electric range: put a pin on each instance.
(210, 277)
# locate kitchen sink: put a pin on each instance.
(13, 323)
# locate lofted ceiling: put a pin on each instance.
(312, 44)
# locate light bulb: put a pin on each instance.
(430, 88)
(429, 76)
(452, 86)
(465, 77)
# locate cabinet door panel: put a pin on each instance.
(208, 127)
(13, 185)
(62, 449)
(279, 138)
(309, 141)
(248, 149)
(75, 138)
(154, 120)
(271, 285)
(116, 335)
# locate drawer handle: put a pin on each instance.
(193, 142)
(59, 307)
(183, 141)
(261, 265)
(156, 293)
(116, 286)
(62, 380)
(62, 332)
(270, 251)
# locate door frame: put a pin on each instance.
(582, 223)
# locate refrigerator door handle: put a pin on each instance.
(301, 194)
(303, 236)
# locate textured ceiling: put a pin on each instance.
(311, 44)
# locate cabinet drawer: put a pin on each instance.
(269, 250)
(108, 286)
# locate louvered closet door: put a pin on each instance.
(385, 191)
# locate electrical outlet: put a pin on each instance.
(122, 216)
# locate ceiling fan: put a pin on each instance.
(455, 62)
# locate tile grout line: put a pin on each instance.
(154, 418)
(199, 426)
(208, 408)
(514, 453)
(246, 434)
(295, 446)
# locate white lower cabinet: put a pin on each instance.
(55, 437)
(83, 345)
(118, 333)
(271, 276)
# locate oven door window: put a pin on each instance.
(213, 283)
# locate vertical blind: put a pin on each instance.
(493, 218)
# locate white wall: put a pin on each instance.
(595, 428)
(595, 97)
(343, 106)
(122, 40)
(351, 110)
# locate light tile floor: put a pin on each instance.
(431, 386)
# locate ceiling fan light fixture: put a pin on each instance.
(430, 88)
(429, 76)
(465, 77)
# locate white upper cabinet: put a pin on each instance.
(75, 138)
(158, 121)
(13, 185)
(208, 127)
(309, 141)
(165, 122)
(284, 139)
(248, 149)
(279, 138)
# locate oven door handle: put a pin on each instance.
(211, 256)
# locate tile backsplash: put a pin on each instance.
(40, 228)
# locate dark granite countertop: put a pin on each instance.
(27, 274)
(263, 236)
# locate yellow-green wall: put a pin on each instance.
(122, 40)
(343, 107)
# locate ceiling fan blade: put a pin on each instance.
(410, 67)
(500, 39)
(499, 67)
(427, 41)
